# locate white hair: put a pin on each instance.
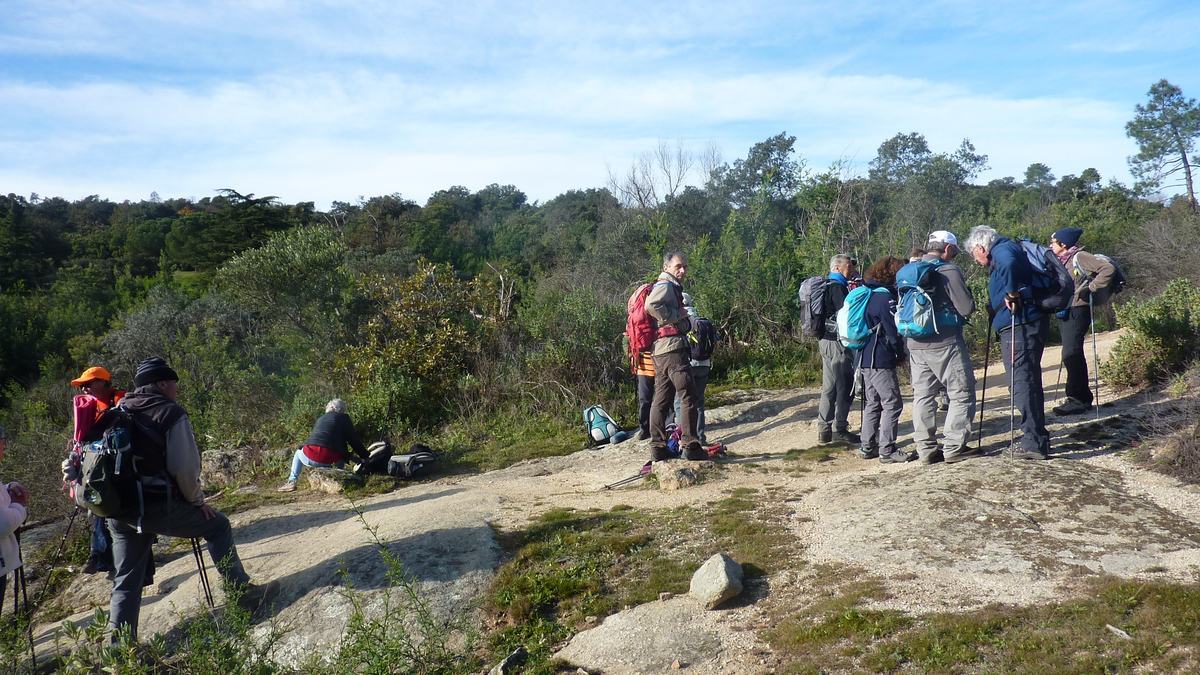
(838, 260)
(337, 405)
(983, 237)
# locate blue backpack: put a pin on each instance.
(601, 427)
(1052, 283)
(852, 329)
(916, 314)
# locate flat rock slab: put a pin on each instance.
(994, 529)
(647, 639)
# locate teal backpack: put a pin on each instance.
(601, 427)
(852, 329)
(916, 314)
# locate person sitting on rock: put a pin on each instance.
(326, 445)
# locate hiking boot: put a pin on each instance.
(963, 454)
(934, 457)
(91, 566)
(643, 435)
(695, 453)
(660, 454)
(897, 457)
(1072, 406)
(255, 596)
(824, 437)
(868, 453)
(289, 486)
(943, 402)
(1026, 453)
(847, 436)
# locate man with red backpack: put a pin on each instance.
(672, 361)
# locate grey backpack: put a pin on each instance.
(415, 463)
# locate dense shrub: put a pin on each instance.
(1165, 337)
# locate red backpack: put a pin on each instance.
(639, 326)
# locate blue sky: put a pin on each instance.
(331, 100)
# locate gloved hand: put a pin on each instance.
(1012, 300)
(1083, 293)
(18, 493)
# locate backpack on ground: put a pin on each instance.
(415, 463)
(378, 455)
(852, 328)
(111, 468)
(639, 326)
(1114, 286)
(813, 309)
(917, 316)
(702, 339)
(1053, 286)
(601, 427)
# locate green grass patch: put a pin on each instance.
(817, 453)
(503, 440)
(1162, 620)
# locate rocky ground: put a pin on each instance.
(942, 537)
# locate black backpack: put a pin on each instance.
(813, 312)
(111, 466)
(378, 455)
(702, 339)
(414, 464)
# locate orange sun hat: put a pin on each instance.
(93, 373)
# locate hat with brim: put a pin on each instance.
(92, 374)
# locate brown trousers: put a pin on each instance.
(672, 373)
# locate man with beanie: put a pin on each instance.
(1092, 275)
(672, 362)
(169, 471)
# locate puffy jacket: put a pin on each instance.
(12, 515)
(665, 306)
(1010, 272)
(885, 347)
(1090, 273)
(333, 431)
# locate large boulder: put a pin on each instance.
(332, 480)
(646, 639)
(718, 580)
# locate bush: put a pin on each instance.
(1165, 337)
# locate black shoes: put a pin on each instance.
(1026, 453)
(847, 436)
(934, 457)
(868, 453)
(963, 454)
(695, 453)
(643, 435)
(1072, 406)
(824, 437)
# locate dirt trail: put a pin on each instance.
(443, 530)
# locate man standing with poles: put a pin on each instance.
(941, 359)
(1093, 276)
(1017, 319)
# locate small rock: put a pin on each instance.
(672, 475)
(510, 662)
(332, 481)
(719, 579)
(664, 596)
(581, 671)
(589, 619)
(676, 665)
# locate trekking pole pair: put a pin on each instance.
(199, 555)
(21, 597)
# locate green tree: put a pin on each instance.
(1166, 129)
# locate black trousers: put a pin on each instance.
(645, 394)
(1074, 331)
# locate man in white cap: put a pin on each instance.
(943, 360)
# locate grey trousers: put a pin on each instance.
(1026, 376)
(881, 415)
(837, 385)
(173, 518)
(932, 369)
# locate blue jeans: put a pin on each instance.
(301, 460)
(131, 550)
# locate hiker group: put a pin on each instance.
(867, 326)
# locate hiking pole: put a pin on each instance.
(57, 556)
(1095, 357)
(19, 580)
(1012, 382)
(203, 571)
(987, 357)
(624, 481)
(1058, 383)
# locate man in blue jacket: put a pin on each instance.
(1018, 321)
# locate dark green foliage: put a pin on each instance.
(1165, 337)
